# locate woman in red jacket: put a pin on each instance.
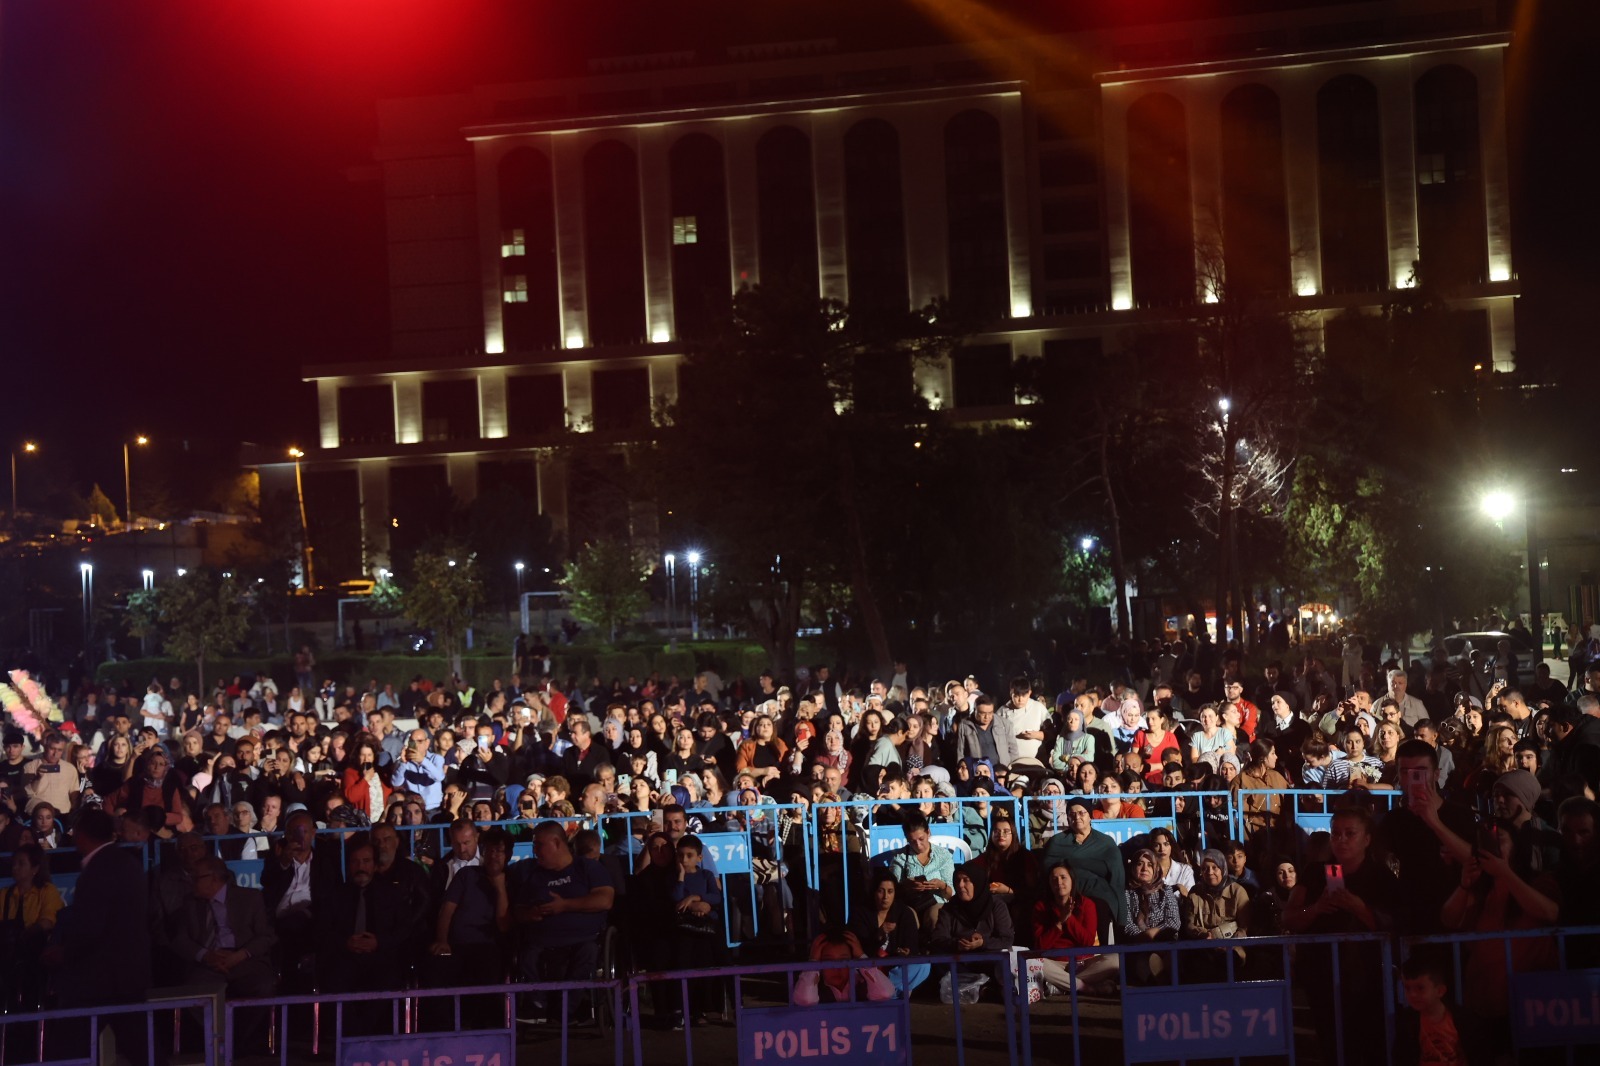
(1065, 918)
(364, 786)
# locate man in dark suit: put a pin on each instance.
(101, 949)
(302, 872)
(363, 928)
(223, 934)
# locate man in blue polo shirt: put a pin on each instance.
(559, 907)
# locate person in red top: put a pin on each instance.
(1156, 738)
(1065, 918)
(364, 786)
(1249, 713)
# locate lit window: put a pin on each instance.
(512, 242)
(684, 230)
(1431, 168)
(515, 290)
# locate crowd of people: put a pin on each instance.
(438, 835)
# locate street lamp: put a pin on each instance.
(310, 582)
(149, 576)
(127, 475)
(86, 594)
(672, 601)
(182, 571)
(694, 595)
(1498, 504)
(28, 447)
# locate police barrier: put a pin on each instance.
(78, 1036)
(1550, 996)
(856, 1031)
(1309, 810)
(370, 1028)
(1207, 1002)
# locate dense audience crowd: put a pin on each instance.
(438, 835)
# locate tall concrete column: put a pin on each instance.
(1503, 334)
(493, 419)
(461, 471)
(553, 490)
(328, 412)
(1019, 234)
(1114, 180)
(1025, 346)
(827, 168)
(1205, 184)
(407, 410)
(577, 381)
(664, 379)
(1298, 101)
(486, 158)
(744, 216)
(373, 479)
(927, 225)
(1396, 106)
(655, 213)
(1488, 67)
(567, 153)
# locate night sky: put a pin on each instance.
(183, 223)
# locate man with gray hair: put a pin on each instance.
(1412, 710)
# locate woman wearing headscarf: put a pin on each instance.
(1072, 742)
(1065, 918)
(1216, 909)
(1153, 915)
(1096, 865)
(974, 920)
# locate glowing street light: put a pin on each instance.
(672, 601)
(694, 594)
(518, 567)
(127, 475)
(310, 581)
(1087, 544)
(149, 576)
(1498, 504)
(28, 447)
(86, 593)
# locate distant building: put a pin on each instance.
(553, 245)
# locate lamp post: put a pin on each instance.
(310, 578)
(694, 595)
(86, 595)
(127, 476)
(672, 605)
(29, 447)
(1499, 504)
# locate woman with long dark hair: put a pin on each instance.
(1066, 918)
(887, 929)
(364, 786)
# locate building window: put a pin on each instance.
(684, 230)
(1431, 169)
(513, 242)
(515, 289)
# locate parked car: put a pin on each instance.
(1459, 646)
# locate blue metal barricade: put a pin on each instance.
(406, 1034)
(1318, 816)
(1240, 1008)
(771, 1026)
(73, 1035)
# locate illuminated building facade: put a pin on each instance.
(554, 246)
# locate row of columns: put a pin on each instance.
(1394, 77)
(919, 124)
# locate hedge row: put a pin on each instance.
(729, 660)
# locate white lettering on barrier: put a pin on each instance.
(1210, 1025)
(803, 1043)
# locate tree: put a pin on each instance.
(102, 511)
(202, 613)
(606, 585)
(762, 465)
(444, 591)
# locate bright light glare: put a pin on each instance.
(671, 558)
(1498, 504)
(29, 446)
(1086, 543)
(181, 571)
(296, 453)
(85, 568)
(1224, 405)
(148, 572)
(518, 566)
(141, 440)
(694, 558)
